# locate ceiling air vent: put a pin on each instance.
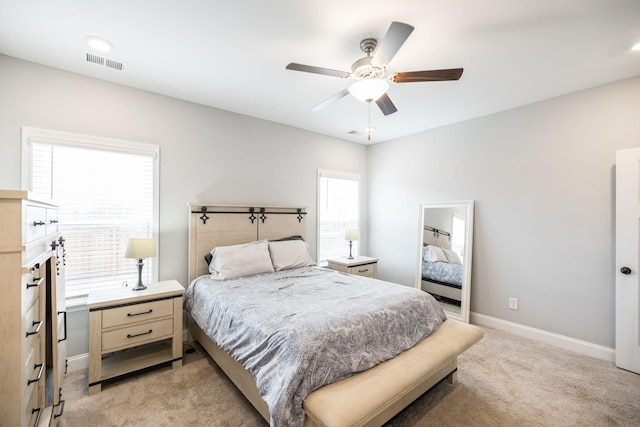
(353, 132)
(101, 60)
(95, 59)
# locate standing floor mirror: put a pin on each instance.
(444, 255)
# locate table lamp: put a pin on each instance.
(351, 234)
(140, 248)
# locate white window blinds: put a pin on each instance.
(105, 197)
(338, 209)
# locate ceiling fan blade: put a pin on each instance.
(397, 34)
(428, 76)
(324, 104)
(317, 70)
(385, 105)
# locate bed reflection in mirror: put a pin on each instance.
(444, 255)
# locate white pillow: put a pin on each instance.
(289, 254)
(433, 253)
(452, 257)
(230, 262)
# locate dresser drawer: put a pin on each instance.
(129, 314)
(32, 367)
(368, 270)
(32, 408)
(36, 226)
(130, 336)
(32, 377)
(52, 221)
(30, 283)
(32, 324)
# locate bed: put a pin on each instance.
(369, 397)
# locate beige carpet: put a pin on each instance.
(503, 380)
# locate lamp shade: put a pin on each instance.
(351, 234)
(140, 248)
(369, 90)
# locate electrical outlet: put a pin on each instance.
(513, 303)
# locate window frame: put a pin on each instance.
(329, 173)
(54, 137)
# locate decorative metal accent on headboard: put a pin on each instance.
(204, 216)
(437, 233)
(263, 213)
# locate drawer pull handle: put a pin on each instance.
(139, 335)
(363, 271)
(37, 223)
(138, 314)
(41, 366)
(61, 404)
(37, 281)
(39, 411)
(65, 326)
(37, 329)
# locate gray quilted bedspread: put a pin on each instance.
(298, 330)
(442, 272)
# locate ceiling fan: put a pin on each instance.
(369, 72)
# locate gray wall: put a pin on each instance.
(206, 154)
(543, 179)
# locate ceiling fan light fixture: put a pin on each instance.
(98, 43)
(369, 90)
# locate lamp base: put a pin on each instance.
(139, 286)
(350, 244)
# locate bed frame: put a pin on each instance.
(369, 398)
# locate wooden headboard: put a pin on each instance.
(212, 225)
(436, 237)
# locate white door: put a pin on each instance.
(628, 259)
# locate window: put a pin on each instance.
(458, 234)
(338, 210)
(106, 192)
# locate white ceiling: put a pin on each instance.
(232, 54)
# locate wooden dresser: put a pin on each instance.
(32, 314)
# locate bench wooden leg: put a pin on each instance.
(452, 378)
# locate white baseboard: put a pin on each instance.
(76, 363)
(557, 340)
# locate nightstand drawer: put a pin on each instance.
(359, 265)
(138, 334)
(136, 313)
(368, 270)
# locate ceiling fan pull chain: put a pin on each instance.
(369, 128)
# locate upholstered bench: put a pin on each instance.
(361, 401)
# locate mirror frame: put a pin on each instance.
(467, 253)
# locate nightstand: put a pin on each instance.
(360, 265)
(133, 330)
